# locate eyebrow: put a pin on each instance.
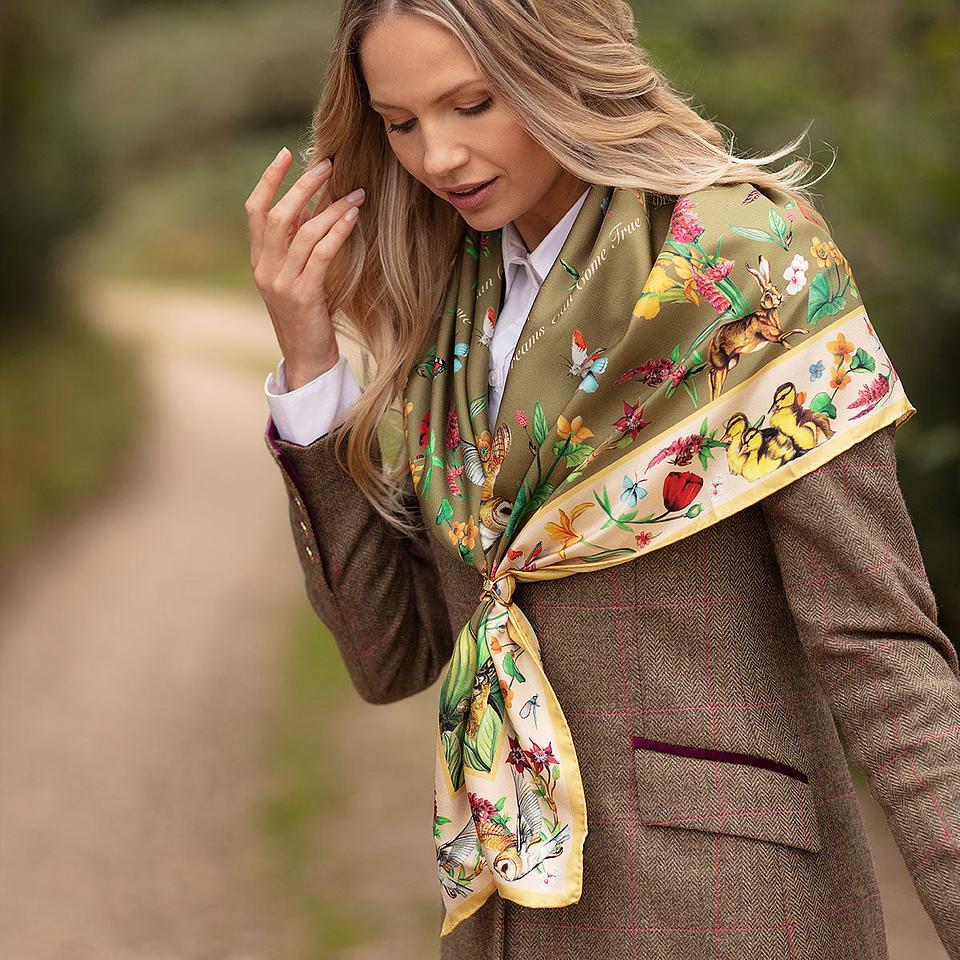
(443, 96)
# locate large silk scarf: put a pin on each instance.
(682, 360)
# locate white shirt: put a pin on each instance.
(314, 409)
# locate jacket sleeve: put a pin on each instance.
(379, 593)
(865, 612)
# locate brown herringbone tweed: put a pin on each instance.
(740, 638)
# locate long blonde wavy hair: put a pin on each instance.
(573, 76)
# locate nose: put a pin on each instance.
(442, 153)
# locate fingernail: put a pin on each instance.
(356, 195)
(322, 167)
(278, 159)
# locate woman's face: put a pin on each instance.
(449, 138)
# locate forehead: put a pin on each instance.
(410, 61)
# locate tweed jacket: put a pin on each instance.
(700, 682)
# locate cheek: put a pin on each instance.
(518, 149)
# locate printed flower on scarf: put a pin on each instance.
(870, 395)
(549, 877)
(821, 251)
(517, 756)
(680, 451)
(838, 258)
(719, 271)
(453, 429)
(463, 531)
(506, 691)
(648, 303)
(643, 538)
(650, 372)
(678, 373)
(481, 808)
(685, 273)
(522, 419)
(839, 378)
(684, 226)
(454, 473)
(572, 429)
(680, 489)
(541, 757)
(416, 471)
(632, 421)
(710, 293)
(841, 348)
(564, 531)
(816, 370)
(796, 274)
(484, 443)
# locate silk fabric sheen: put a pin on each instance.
(681, 361)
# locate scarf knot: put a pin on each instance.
(499, 588)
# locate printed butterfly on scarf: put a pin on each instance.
(489, 323)
(586, 364)
(632, 491)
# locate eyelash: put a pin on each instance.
(466, 111)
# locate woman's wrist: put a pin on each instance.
(297, 375)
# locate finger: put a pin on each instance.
(306, 213)
(314, 231)
(258, 203)
(315, 271)
(283, 213)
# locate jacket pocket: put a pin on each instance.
(716, 791)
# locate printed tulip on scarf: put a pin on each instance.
(680, 362)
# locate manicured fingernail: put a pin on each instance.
(278, 159)
(351, 214)
(356, 195)
(321, 168)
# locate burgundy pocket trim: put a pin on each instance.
(728, 756)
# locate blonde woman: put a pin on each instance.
(644, 522)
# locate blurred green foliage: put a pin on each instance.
(70, 406)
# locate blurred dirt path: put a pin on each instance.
(140, 653)
(140, 658)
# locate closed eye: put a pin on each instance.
(466, 111)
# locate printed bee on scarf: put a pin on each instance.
(585, 364)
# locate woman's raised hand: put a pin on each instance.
(290, 253)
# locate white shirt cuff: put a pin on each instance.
(314, 409)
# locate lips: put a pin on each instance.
(467, 186)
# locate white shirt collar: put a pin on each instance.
(542, 258)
